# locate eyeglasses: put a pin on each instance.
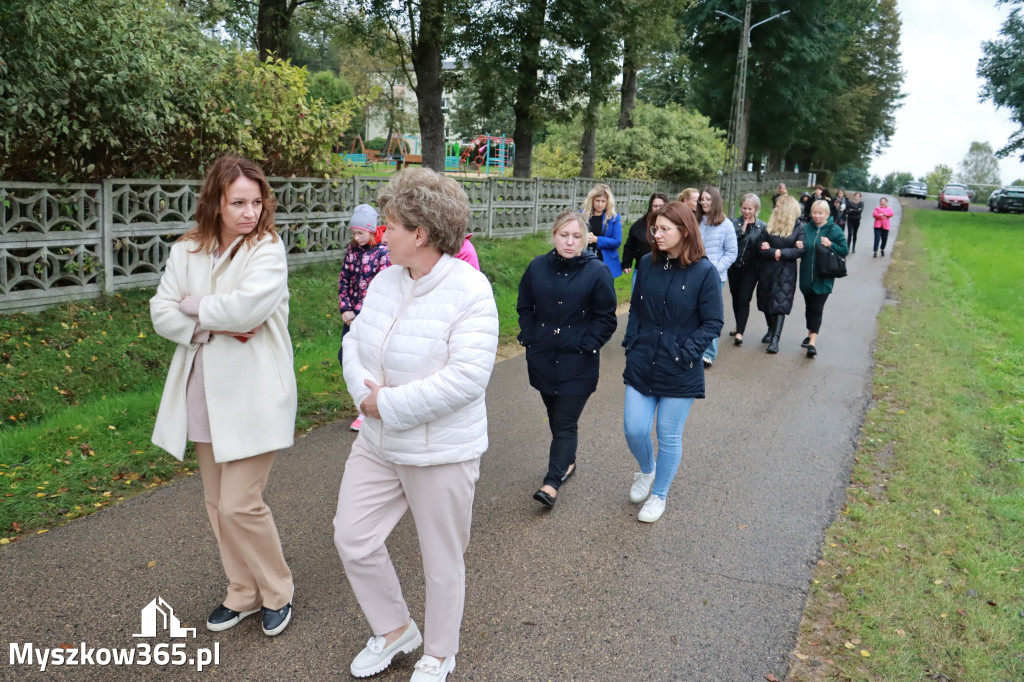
(664, 230)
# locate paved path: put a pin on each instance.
(714, 591)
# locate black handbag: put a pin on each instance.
(828, 263)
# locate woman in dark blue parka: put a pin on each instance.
(675, 311)
(566, 313)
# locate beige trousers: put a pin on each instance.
(250, 548)
(374, 496)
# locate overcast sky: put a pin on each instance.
(941, 114)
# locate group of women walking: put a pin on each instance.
(417, 356)
(566, 312)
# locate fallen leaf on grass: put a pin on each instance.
(936, 512)
(771, 678)
(901, 633)
(961, 613)
(848, 645)
(865, 653)
(802, 657)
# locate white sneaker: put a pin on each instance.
(641, 487)
(376, 657)
(429, 669)
(652, 510)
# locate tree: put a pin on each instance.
(892, 182)
(937, 178)
(823, 80)
(266, 25)
(586, 26)
(645, 33)
(979, 169)
(421, 31)
(515, 67)
(328, 87)
(853, 177)
(138, 90)
(1001, 68)
(665, 143)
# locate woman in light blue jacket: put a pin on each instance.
(604, 227)
(719, 237)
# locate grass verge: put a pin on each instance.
(80, 384)
(922, 574)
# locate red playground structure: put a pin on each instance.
(488, 151)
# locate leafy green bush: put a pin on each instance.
(132, 88)
(667, 143)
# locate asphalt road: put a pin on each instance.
(713, 591)
(926, 203)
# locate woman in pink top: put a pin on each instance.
(882, 215)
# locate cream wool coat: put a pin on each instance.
(431, 343)
(250, 387)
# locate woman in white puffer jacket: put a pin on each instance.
(417, 362)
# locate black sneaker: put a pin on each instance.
(224, 618)
(274, 622)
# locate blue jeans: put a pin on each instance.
(638, 417)
(712, 350)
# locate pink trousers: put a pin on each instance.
(250, 548)
(374, 496)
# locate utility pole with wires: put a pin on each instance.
(736, 140)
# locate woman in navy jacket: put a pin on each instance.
(675, 311)
(566, 313)
(604, 226)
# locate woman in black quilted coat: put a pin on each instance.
(779, 248)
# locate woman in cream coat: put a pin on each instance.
(417, 362)
(231, 390)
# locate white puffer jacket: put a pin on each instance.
(431, 342)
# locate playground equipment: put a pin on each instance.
(488, 151)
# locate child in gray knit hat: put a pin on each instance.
(363, 260)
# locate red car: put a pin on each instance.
(954, 196)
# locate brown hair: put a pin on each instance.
(680, 215)
(219, 177)
(716, 216)
(420, 197)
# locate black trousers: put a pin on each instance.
(742, 281)
(563, 417)
(881, 235)
(814, 308)
(852, 225)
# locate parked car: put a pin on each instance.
(914, 189)
(954, 195)
(1007, 200)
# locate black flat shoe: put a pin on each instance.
(544, 499)
(569, 473)
(733, 333)
(275, 621)
(806, 342)
(737, 340)
(224, 618)
(811, 351)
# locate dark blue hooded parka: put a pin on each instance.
(674, 314)
(566, 313)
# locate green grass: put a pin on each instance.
(924, 568)
(81, 382)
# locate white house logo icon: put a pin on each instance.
(158, 611)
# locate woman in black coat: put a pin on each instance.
(636, 242)
(743, 272)
(674, 312)
(854, 209)
(780, 246)
(566, 313)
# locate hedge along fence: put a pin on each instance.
(78, 241)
